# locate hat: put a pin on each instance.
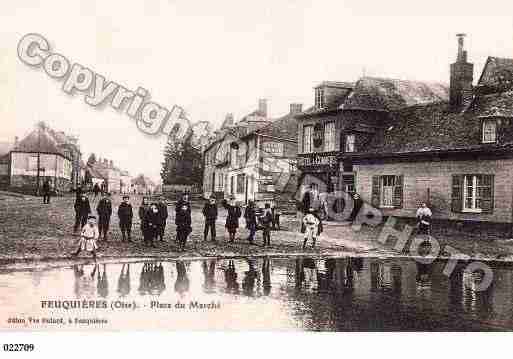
(126, 197)
(213, 197)
(91, 217)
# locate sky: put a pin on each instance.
(220, 57)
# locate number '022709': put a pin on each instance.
(18, 347)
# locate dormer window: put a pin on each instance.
(350, 143)
(489, 131)
(319, 97)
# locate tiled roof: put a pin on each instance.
(495, 69)
(434, 127)
(39, 140)
(283, 127)
(372, 93)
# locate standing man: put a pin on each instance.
(46, 192)
(251, 221)
(210, 214)
(104, 210)
(232, 219)
(183, 223)
(96, 190)
(125, 214)
(82, 211)
(163, 213)
(266, 221)
(151, 223)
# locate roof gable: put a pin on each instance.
(496, 71)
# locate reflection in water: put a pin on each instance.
(103, 284)
(152, 279)
(230, 276)
(266, 275)
(84, 280)
(209, 272)
(124, 281)
(317, 294)
(250, 277)
(182, 281)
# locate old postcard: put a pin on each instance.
(256, 166)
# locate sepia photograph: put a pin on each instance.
(271, 166)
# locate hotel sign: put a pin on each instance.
(317, 160)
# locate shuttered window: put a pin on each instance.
(387, 191)
(472, 193)
(329, 136)
(307, 139)
(489, 131)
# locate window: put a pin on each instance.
(232, 185)
(240, 183)
(319, 98)
(350, 143)
(32, 163)
(489, 131)
(348, 183)
(387, 191)
(234, 157)
(472, 193)
(307, 139)
(329, 136)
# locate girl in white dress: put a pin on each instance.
(311, 223)
(88, 237)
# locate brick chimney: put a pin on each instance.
(262, 107)
(296, 108)
(462, 76)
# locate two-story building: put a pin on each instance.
(35, 159)
(344, 119)
(455, 155)
(262, 163)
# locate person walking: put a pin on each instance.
(82, 211)
(143, 209)
(88, 237)
(266, 222)
(183, 223)
(125, 215)
(163, 215)
(251, 221)
(311, 223)
(232, 219)
(210, 214)
(46, 192)
(104, 210)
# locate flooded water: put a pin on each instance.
(346, 294)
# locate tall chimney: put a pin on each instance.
(296, 108)
(462, 76)
(262, 107)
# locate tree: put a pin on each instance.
(91, 160)
(182, 164)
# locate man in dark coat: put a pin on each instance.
(143, 209)
(46, 192)
(96, 190)
(210, 214)
(104, 210)
(125, 214)
(183, 223)
(251, 221)
(266, 222)
(232, 219)
(82, 211)
(151, 224)
(163, 214)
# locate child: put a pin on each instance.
(183, 223)
(88, 237)
(125, 214)
(311, 223)
(232, 218)
(266, 222)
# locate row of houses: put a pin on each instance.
(395, 142)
